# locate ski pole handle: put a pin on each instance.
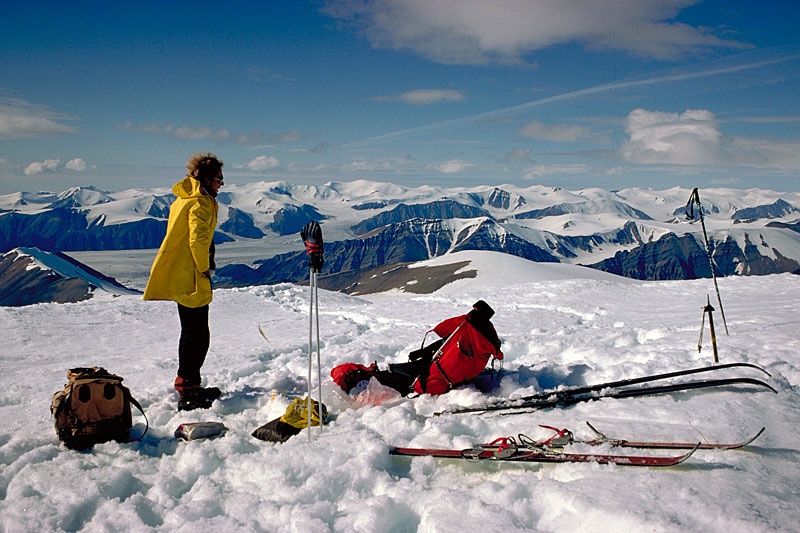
(312, 238)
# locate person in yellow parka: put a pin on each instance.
(182, 272)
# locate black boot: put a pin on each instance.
(212, 393)
(197, 398)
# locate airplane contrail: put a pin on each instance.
(568, 95)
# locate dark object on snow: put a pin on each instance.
(292, 421)
(312, 238)
(192, 398)
(276, 431)
(620, 389)
(94, 407)
(467, 344)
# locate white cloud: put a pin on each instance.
(21, 120)
(452, 166)
(262, 163)
(422, 97)
(480, 32)
(37, 167)
(694, 137)
(689, 138)
(556, 132)
(76, 164)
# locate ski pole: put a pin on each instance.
(312, 238)
(310, 346)
(319, 363)
(708, 309)
(694, 197)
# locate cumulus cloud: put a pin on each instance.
(504, 31)
(689, 138)
(452, 166)
(262, 163)
(37, 167)
(556, 132)
(694, 137)
(51, 165)
(76, 164)
(22, 120)
(421, 97)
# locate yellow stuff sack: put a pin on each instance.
(94, 407)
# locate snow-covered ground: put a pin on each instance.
(557, 330)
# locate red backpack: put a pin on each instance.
(470, 342)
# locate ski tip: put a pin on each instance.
(750, 381)
(767, 385)
(688, 454)
(747, 443)
(749, 365)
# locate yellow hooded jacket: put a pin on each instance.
(177, 272)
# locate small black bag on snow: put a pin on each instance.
(94, 407)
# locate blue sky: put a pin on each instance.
(580, 93)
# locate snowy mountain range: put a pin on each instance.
(639, 233)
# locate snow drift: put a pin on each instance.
(557, 330)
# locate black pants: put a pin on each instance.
(193, 345)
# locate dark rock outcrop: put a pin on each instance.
(240, 223)
(778, 209)
(440, 209)
(291, 218)
(414, 240)
(684, 257)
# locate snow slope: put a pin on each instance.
(509, 270)
(556, 331)
(47, 261)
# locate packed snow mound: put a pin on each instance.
(456, 272)
(555, 333)
(496, 269)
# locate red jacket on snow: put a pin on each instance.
(464, 356)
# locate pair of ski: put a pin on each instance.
(550, 451)
(621, 389)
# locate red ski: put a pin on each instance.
(564, 437)
(623, 443)
(507, 449)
